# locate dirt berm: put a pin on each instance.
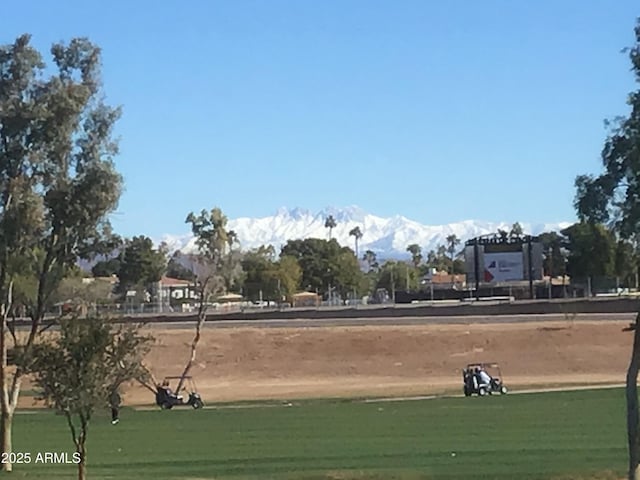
(286, 363)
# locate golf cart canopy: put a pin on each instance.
(483, 365)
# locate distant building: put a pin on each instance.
(444, 279)
(306, 299)
(176, 289)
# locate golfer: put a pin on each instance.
(115, 402)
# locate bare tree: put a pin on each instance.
(212, 241)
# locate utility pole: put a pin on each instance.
(529, 258)
(407, 265)
(393, 287)
(550, 272)
(476, 267)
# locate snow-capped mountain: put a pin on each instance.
(387, 237)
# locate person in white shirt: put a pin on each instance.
(484, 377)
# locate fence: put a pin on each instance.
(606, 285)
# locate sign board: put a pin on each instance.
(503, 267)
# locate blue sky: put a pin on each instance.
(437, 110)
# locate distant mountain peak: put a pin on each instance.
(387, 237)
(352, 213)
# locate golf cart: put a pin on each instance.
(167, 399)
(483, 379)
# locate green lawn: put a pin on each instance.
(552, 435)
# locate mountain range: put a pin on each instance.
(387, 237)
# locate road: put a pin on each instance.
(213, 321)
(398, 321)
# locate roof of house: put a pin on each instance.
(112, 279)
(174, 282)
(446, 278)
(229, 297)
(305, 294)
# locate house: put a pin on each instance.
(175, 289)
(229, 298)
(444, 280)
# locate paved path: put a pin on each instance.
(511, 392)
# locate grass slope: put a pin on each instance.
(530, 436)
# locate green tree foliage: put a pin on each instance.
(275, 279)
(106, 268)
(77, 370)
(140, 264)
(614, 196)
(324, 264)
(261, 275)
(443, 262)
(348, 279)
(516, 230)
(231, 270)
(592, 250)
(290, 276)
(216, 264)
(175, 269)
(416, 254)
(554, 248)
(458, 266)
(210, 230)
(81, 294)
(396, 276)
(432, 259)
(625, 262)
(371, 258)
(452, 243)
(57, 179)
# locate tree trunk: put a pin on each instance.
(633, 424)
(6, 422)
(82, 466)
(6, 410)
(202, 316)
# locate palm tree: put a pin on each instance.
(453, 241)
(416, 254)
(357, 234)
(330, 223)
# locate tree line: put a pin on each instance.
(323, 266)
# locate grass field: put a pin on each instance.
(568, 435)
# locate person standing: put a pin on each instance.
(115, 401)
